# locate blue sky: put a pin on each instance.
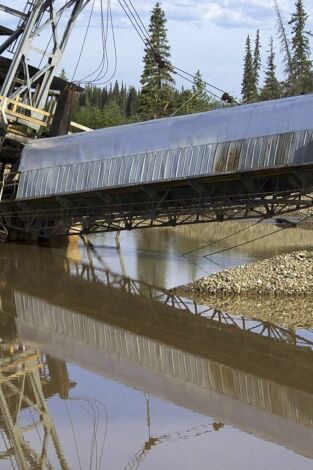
(203, 34)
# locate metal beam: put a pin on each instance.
(12, 11)
(41, 17)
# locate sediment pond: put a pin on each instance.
(113, 371)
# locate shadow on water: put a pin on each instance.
(252, 375)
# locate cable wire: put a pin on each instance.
(224, 238)
(104, 39)
(84, 40)
(144, 36)
(114, 48)
(244, 243)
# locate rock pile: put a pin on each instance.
(284, 275)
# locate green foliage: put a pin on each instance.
(257, 63)
(156, 80)
(118, 104)
(284, 41)
(112, 106)
(300, 79)
(201, 100)
(272, 88)
(63, 75)
(298, 65)
(248, 90)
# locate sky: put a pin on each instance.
(205, 35)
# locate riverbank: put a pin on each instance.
(279, 290)
(288, 275)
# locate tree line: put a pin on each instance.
(296, 55)
(158, 96)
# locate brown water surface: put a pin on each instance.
(102, 368)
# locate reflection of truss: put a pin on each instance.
(133, 287)
(22, 372)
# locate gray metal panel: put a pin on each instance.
(203, 160)
(231, 124)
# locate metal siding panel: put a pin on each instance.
(115, 171)
(308, 152)
(124, 176)
(191, 161)
(243, 154)
(221, 157)
(35, 180)
(168, 165)
(268, 144)
(292, 148)
(180, 164)
(132, 171)
(28, 182)
(184, 167)
(110, 173)
(156, 166)
(142, 168)
(150, 165)
(198, 160)
(207, 153)
(97, 175)
(104, 173)
(253, 153)
(21, 186)
(233, 157)
(43, 182)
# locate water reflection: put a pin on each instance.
(27, 379)
(156, 256)
(252, 375)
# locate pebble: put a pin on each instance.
(284, 275)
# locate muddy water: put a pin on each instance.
(109, 371)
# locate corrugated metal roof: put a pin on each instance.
(231, 124)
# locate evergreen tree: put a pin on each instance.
(257, 64)
(201, 99)
(248, 89)
(132, 102)
(285, 44)
(156, 80)
(272, 88)
(300, 81)
(63, 75)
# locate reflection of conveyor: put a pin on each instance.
(27, 379)
(260, 384)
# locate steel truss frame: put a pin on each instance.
(168, 205)
(39, 16)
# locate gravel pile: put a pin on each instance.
(306, 218)
(284, 275)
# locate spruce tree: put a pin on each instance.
(284, 40)
(156, 80)
(300, 80)
(248, 89)
(272, 88)
(257, 64)
(63, 75)
(132, 102)
(200, 102)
